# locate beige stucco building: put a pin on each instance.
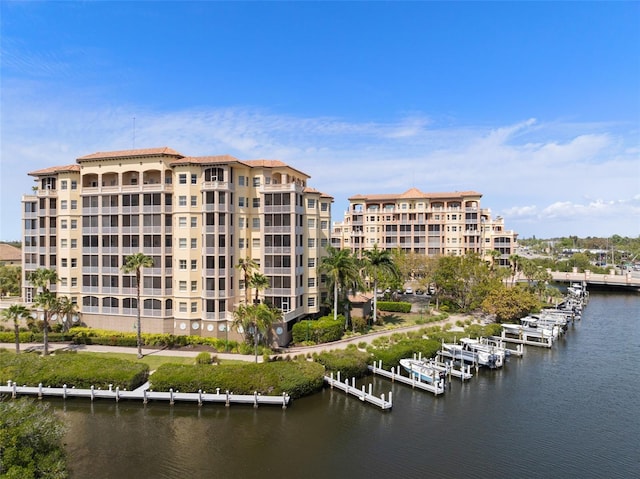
(196, 217)
(425, 223)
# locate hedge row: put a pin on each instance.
(394, 307)
(81, 335)
(322, 330)
(296, 378)
(74, 370)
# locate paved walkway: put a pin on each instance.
(342, 344)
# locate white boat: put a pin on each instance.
(422, 370)
(544, 334)
(489, 352)
(472, 353)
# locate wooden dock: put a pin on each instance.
(396, 375)
(143, 394)
(361, 394)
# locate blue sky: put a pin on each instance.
(534, 104)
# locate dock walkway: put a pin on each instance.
(143, 394)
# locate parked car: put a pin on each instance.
(408, 291)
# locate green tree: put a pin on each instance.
(135, 263)
(66, 310)
(378, 263)
(260, 282)
(256, 321)
(31, 441)
(248, 266)
(342, 270)
(42, 279)
(10, 277)
(15, 313)
(510, 304)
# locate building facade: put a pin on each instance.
(424, 223)
(196, 217)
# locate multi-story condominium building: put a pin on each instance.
(196, 217)
(424, 223)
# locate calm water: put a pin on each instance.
(572, 411)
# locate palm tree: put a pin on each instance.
(260, 282)
(248, 266)
(14, 313)
(66, 310)
(341, 270)
(256, 321)
(136, 262)
(42, 278)
(379, 263)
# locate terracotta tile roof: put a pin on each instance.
(414, 193)
(272, 164)
(103, 155)
(54, 169)
(9, 253)
(308, 189)
(206, 160)
(360, 298)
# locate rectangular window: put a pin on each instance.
(182, 285)
(311, 301)
(194, 286)
(183, 264)
(194, 221)
(241, 243)
(74, 281)
(256, 202)
(194, 200)
(324, 206)
(182, 306)
(324, 225)
(74, 185)
(242, 222)
(194, 179)
(311, 243)
(182, 221)
(182, 178)
(311, 203)
(255, 223)
(311, 223)
(74, 224)
(311, 263)
(63, 243)
(311, 282)
(63, 185)
(63, 262)
(63, 281)
(194, 306)
(256, 181)
(74, 244)
(63, 224)
(194, 264)
(182, 243)
(182, 201)
(240, 180)
(63, 205)
(241, 201)
(255, 242)
(194, 243)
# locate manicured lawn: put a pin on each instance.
(151, 360)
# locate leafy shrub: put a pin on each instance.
(322, 330)
(350, 362)
(394, 307)
(406, 348)
(203, 358)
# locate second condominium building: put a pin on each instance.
(451, 223)
(196, 217)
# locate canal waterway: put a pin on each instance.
(570, 411)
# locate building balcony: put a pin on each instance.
(277, 250)
(217, 186)
(279, 208)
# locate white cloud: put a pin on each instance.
(555, 170)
